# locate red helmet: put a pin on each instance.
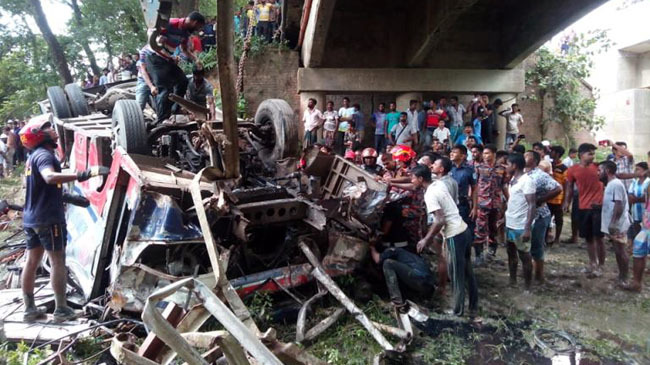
(369, 152)
(33, 134)
(403, 153)
(349, 155)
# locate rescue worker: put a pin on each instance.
(369, 157)
(44, 217)
(199, 89)
(161, 64)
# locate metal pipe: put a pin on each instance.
(227, 80)
(306, 11)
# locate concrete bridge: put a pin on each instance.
(413, 47)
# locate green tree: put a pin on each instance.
(79, 33)
(560, 77)
(117, 25)
(26, 68)
(33, 9)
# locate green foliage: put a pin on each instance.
(606, 349)
(447, 348)
(258, 46)
(560, 77)
(86, 347)
(260, 307)
(14, 354)
(241, 106)
(347, 342)
(25, 71)
(208, 8)
(26, 67)
(117, 25)
(208, 60)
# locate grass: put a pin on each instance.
(13, 354)
(347, 342)
(447, 348)
(606, 349)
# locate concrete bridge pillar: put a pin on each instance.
(404, 99)
(320, 105)
(508, 99)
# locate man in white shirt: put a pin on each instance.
(615, 219)
(312, 118)
(520, 214)
(412, 114)
(4, 161)
(570, 159)
(513, 121)
(345, 118)
(442, 133)
(457, 236)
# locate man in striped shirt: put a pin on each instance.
(162, 65)
(636, 196)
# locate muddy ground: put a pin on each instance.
(610, 326)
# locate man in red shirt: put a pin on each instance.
(162, 66)
(590, 196)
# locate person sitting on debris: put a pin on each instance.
(444, 218)
(199, 90)
(162, 66)
(44, 218)
(402, 267)
(369, 156)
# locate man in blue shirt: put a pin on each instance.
(465, 177)
(468, 131)
(44, 216)
(103, 80)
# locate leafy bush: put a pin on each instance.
(560, 76)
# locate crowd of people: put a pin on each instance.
(12, 152)
(263, 17)
(452, 189)
(443, 123)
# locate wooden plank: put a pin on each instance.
(152, 345)
(41, 331)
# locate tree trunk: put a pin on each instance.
(226, 67)
(55, 47)
(181, 8)
(83, 41)
(109, 50)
